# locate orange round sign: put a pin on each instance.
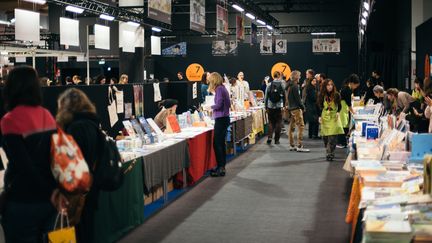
(283, 68)
(194, 72)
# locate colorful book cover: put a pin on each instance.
(147, 128)
(172, 124)
(154, 126)
(138, 129)
(129, 128)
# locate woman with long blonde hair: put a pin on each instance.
(222, 121)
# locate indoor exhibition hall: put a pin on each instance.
(215, 121)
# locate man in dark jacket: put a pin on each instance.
(274, 103)
(295, 108)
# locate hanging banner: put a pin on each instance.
(27, 25)
(225, 48)
(254, 34)
(266, 46)
(69, 32)
(427, 70)
(240, 30)
(155, 45)
(194, 72)
(326, 45)
(197, 15)
(179, 49)
(131, 3)
(130, 37)
(102, 37)
(160, 10)
(221, 20)
(281, 46)
(281, 67)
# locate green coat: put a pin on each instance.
(330, 123)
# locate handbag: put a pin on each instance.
(62, 234)
(68, 165)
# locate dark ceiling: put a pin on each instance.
(307, 6)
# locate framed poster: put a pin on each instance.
(197, 15)
(266, 46)
(221, 20)
(326, 45)
(281, 46)
(225, 48)
(240, 30)
(179, 49)
(160, 10)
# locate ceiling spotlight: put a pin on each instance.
(36, 1)
(365, 14)
(261, 22)
(323, 33)
(134, 24)
(269, 27)
(12, 20)
(156, 29)
(240, 9)
(362, 31)
(74, 9)
(366, 5)
(251, 16)
(363, 21)
(106, 17)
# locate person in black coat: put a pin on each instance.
(311, 110)
(77, 116)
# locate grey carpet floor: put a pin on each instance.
(269, 195)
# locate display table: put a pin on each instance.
(202, 158)
(120, 211)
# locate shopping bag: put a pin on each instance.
(68, 165)
(62, 234)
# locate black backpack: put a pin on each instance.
(108, 174)
(276, 93)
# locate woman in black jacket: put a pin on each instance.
(311, 112)
(77, 116)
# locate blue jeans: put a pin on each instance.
(28, 222)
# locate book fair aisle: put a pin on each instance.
(215, 121)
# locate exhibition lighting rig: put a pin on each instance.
(254, 12)
(121, 14)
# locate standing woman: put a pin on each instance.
(26, 128)
(204, 87)
(329, 103)
(77, 116)
(222, 121)
(311, 111)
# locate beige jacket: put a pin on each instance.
(428, 115)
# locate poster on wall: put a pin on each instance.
(197, 15)
(240, 30)
(155, 45)
(221, 20)
(281, 46)
(179, 49)
(254, 34)
(326, 45)
(160, 10)
(101, 37)
(225, 48)
(131, 3)
(266, 46)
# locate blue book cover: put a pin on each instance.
(138, 129)
(147, 128)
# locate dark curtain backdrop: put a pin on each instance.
(424, 46)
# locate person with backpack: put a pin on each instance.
(77, 116)
(295, 108)
(27, 212)
(274, 103)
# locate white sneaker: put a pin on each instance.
(302, 149)
(292, 148)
